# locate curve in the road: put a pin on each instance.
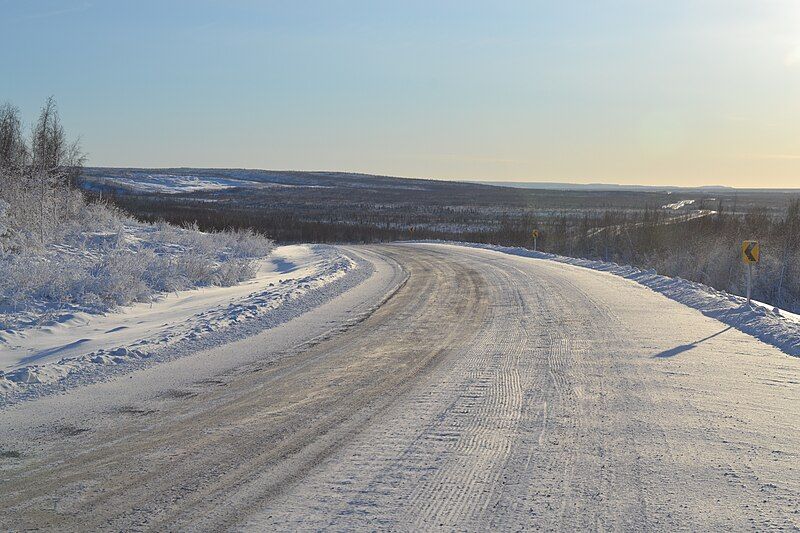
(489, 392)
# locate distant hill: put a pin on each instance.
(187, 180)
(556, 186)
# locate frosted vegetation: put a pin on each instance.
(705, 249)
(60, 252)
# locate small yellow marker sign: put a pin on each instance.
(535, 235)
(750, 252)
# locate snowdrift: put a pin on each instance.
(85, 347)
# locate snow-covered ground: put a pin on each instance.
(769, 324)
(172, 183)
(168, 183)
(678, 205)
(83, 346)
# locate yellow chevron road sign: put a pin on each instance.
(535, 234)
(750, 252)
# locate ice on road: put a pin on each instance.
(489, 392)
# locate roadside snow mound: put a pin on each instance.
(89, 346)
(770, 325)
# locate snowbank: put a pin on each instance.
(86, 347)
(770, 325)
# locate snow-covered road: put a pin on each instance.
(489, 392)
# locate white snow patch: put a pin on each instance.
(172, 183)
(164, 183)
(766, 323)
(678, 205)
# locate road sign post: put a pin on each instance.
(749, 281)
(535, 235)
(751, 253)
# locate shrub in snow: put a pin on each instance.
(98, 270)
(59, 252)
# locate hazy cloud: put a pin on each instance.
(57, 12)
(793, 57)
(466, 159)
(773, 156)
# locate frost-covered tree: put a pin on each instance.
(790, 254)
(14, 171)
(37, 176)
(13, 151)
(47, 152)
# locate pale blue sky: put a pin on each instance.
(682, 92)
